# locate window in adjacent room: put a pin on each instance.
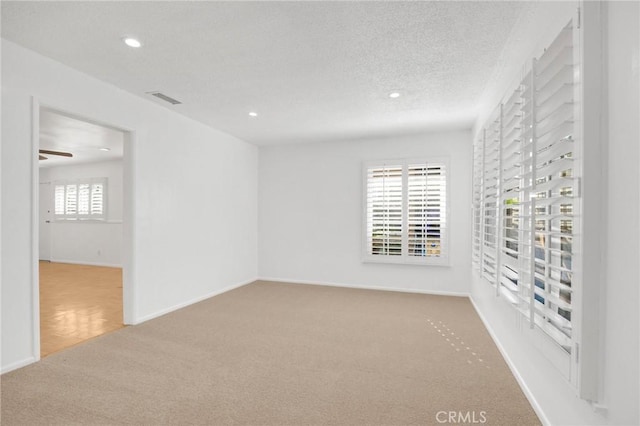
(83, 199)
(405, 218)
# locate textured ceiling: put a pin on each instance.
(82, 139)
(313, 71)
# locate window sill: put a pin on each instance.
(88, 221)
(399, 260)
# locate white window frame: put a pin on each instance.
(404, 258)
(77, 216)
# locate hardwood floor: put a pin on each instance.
(77, 302)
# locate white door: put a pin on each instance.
(46, 207)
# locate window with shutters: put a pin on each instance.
(526, 181)
(82, 199)
(405, 217)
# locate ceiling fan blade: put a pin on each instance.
(42, 157)
(61, 153)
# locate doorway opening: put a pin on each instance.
(81, 211)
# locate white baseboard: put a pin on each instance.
(18, 364)
(190, 302)
(525, 389)
(81, 262)
(367, 287)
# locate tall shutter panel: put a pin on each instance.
(527, 173)
(384, 210)
(511, 197)
(490, 199)
(555, 188)
(71, 200)
(97, 199)
(84, 190)
(59, 200)
(477, 202)
(417, 210)
(426, 218)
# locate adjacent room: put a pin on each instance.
(354, 213)
(80, 230)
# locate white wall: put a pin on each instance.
(194, 196)
(82, 242)
(552, 396)
(310, 213)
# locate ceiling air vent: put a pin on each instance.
(165, 98)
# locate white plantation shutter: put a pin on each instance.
(512, 283)
(477, 185)
(82, 199)
(555, 188)
(71, 200)
(406, 212)
(525, 195)
(490, 200)
(384, 210)
(426, 209)
(97, 200)
(58, 197)
(84, 190)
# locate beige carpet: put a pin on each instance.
(280, 354)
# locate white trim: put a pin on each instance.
(192, 301)
(367, 287)
(440, 261)
(35, 229)
(1, 256)
(19, 364)
(129, 277)
(523, 385)
(590, 270)
(80, 262)
(87, 221)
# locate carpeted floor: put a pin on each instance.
(280, 354)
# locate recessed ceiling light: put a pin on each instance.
(394, 95)
(253, 114)
(104, 149)
(132, 42)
